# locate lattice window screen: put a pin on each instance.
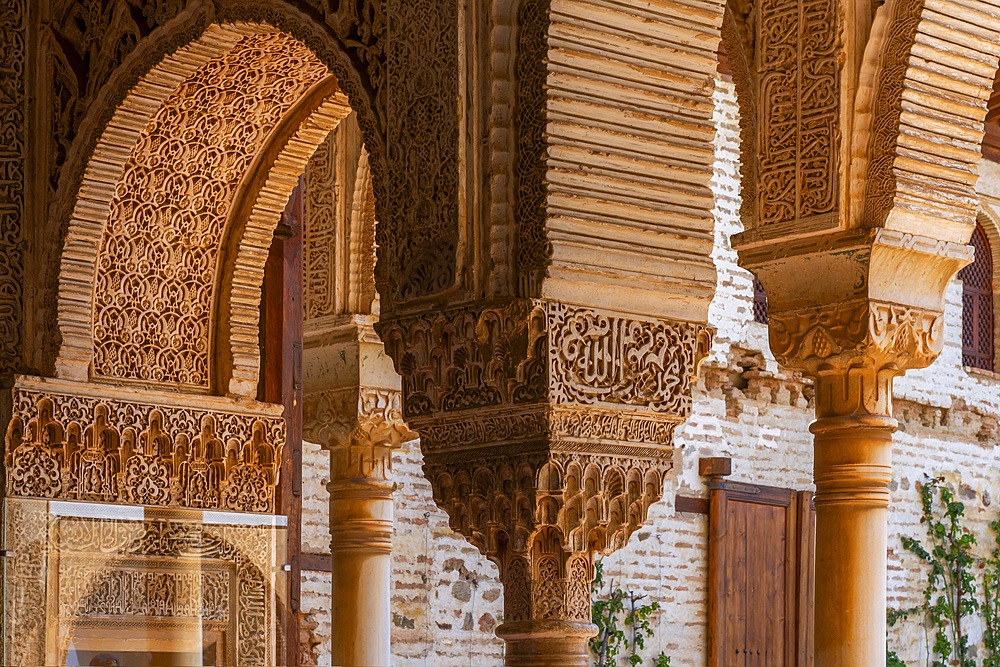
(759, 302)
(977, 305)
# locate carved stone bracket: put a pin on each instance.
(77, 441)
(547, 432)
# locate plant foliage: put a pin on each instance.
(623, 623)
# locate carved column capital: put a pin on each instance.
(874, 310)
(547, 433)
(854, 349)
(361, 433)
(352, 401)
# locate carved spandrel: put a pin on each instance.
(87, 447)
(13, 62)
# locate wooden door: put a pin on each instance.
(760, 576)
(281, 382)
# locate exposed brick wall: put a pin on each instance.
(447, 599)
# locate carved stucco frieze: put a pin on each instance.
(546, 430)
(13, 63)
(76, 442)
(541, 353)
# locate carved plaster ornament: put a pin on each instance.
(70, 441)
(117, 570)
(841, 183)
(546, 431)
(14, 42)
(352, 400)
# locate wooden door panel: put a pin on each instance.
(760, 561)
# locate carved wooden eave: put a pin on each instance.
(100, 443)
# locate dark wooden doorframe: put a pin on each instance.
(281, 382)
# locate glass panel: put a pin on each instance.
(119, 586)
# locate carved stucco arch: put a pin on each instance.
(350, 45)
(362, 296)
(258, 201)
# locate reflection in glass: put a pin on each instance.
(116, 586)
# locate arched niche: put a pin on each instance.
(160, 276)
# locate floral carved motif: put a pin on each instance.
(910, 337)
(156, 271)
(13, 60)
(419, 243)
(360, 427)
(75, 447)
(492, 356)
(798, 89)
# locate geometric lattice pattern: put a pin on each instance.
(977, 305)
(759, 302)
(157, 270)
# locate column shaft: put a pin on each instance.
(852, 472)
(547, 643)
(361, 528)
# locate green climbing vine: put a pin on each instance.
(624, 624)
(960, 585)
(991, 601)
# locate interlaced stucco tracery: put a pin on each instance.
(156, 271)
